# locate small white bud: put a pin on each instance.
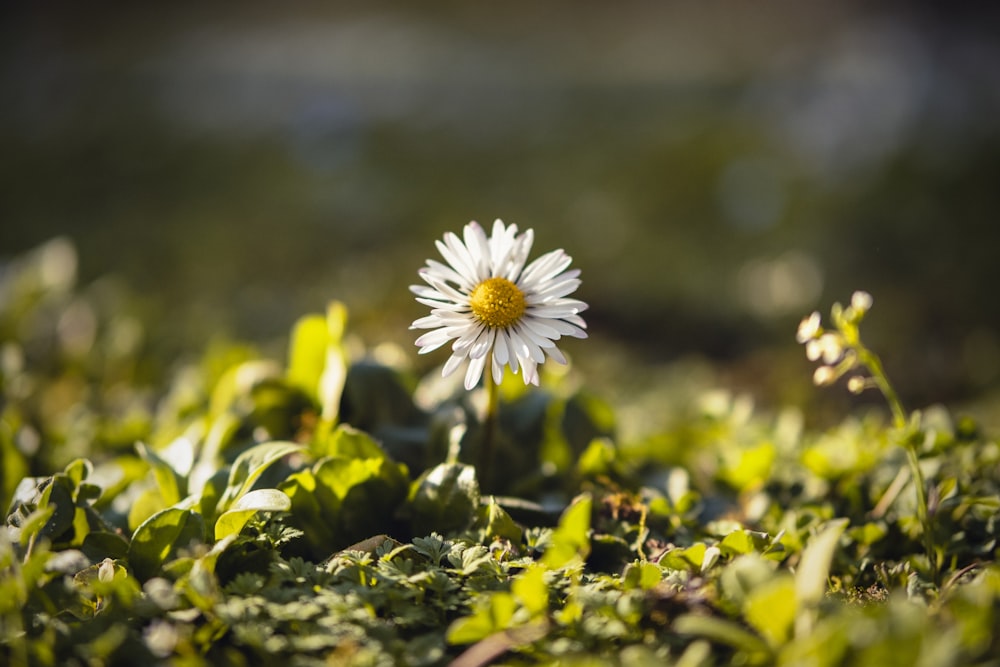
(106, 572)
(830, 348)
(808, 328)
(861, 302)
(824, 375)
(856, 384)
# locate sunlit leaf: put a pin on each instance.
(250, 465)
(814, 568)
(570, 540)
(307, 354)
(161, 536)
(771, 609)
(812, 575)
(261, 500)
(492, 615)
(642, 575)
(530, 589)
(168, 482)
(351, 443)
(499, 524)
(720, 630)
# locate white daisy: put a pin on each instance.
(495, 308)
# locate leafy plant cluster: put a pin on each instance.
(329, 510)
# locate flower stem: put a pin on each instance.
(489, 430)
(874, 364)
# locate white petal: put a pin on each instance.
(443, 273)
(577, 321)
(479, 249)
(450, 317)
(505, 340)
(425, 291)
(426, 322)
(552, 312)
(442, 286)
(563, 327)
(555, 289)
(547, 328)
(432, 340)
(500, 348)
(469, 337)
(556, 355)
(502, 243)
(497, 371)
(474, 373)
(514, 263)
(447, 305)
(483, 344)
(537, 339)
(454, 361)
(531, 373)
(544, 268)
(455, 254)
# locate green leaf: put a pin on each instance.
(499, 524)
(59, 496)
(722, 631)
(531, 591)
(34, 523)
(869, 533)
(81, 526)
(643, 575)
(261, 500)
(370, 491)
(78, 470)
(444, 498)
(743, 575)
(771, 608)
(331, 383)
(597, 459)
(492, 615)
(814, 567)
(264, 500)
(351, 443)
(307, 354)
(738, 542)
(813, 573)
(313, 506)
(752, 466)
(100, 545)
(13, 466)
(688, 558)
(168, 482)
(160, 537)
(149, 502)
(250, 465)
(570, 539)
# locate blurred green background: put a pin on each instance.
(717, 170)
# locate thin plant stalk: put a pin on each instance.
(489, 434)
(874, 364)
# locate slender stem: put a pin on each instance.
(489, 429)
(874, 364)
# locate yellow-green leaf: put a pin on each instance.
(770, 609)
(570, 540)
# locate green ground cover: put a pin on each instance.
(332, 506)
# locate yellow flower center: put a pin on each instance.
(497, 302)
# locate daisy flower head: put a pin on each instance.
(496, 307)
